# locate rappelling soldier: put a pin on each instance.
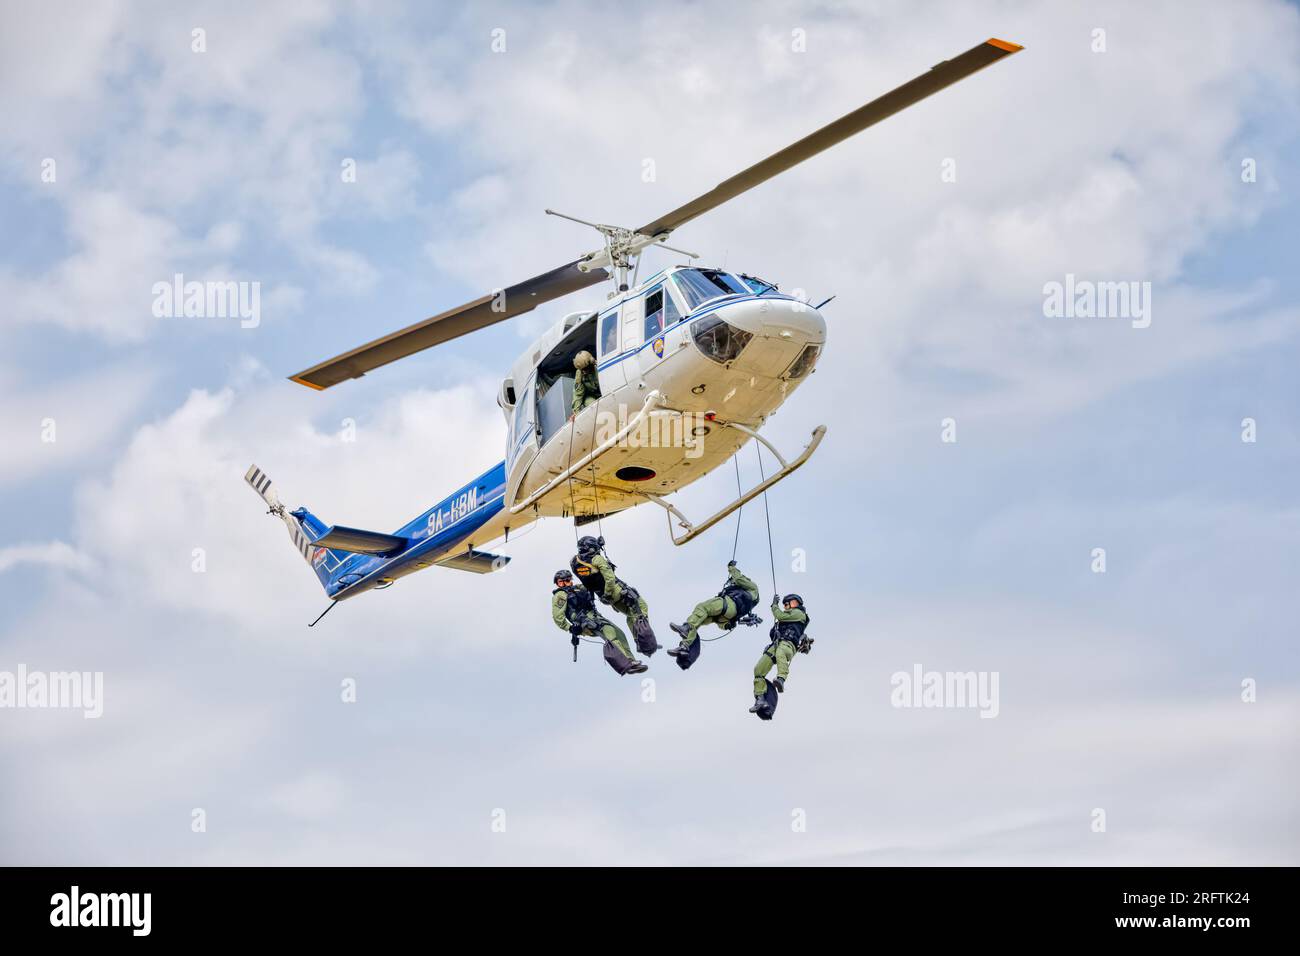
(586, 382)
(574, 610)
(790, 619)
(736, 599)
(596, 573)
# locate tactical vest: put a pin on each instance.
(578, 604)
(791, 631)
(743, 599)
(588, 574)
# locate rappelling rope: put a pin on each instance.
(595, 485)
(573, 502)
(771, 554)
(739, 511)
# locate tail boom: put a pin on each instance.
(350, 561)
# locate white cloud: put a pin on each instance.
(249, 133)
(178, 486)
(52, 425)
(1067, 161)
(54, 554)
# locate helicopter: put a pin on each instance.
(690, 363)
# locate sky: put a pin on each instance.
(979, 450)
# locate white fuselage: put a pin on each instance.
(756, 359)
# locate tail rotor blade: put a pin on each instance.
(260, 482)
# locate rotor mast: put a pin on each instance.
(622, 247)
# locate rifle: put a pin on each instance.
(589, 622)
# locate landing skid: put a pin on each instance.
(652, 402)
(694, 530)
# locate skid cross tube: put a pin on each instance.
(694, 530)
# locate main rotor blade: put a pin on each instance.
(470, 317)
(913, 91)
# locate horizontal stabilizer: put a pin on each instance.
(339, 538)
(480, 562)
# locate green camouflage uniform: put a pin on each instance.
(718, 610)
(586, 389)
(779, 652)
(559, 605)
(613, 593)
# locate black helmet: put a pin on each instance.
(589, 546)
(792, 597)
(564, 574)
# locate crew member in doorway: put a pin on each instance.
(586, 384)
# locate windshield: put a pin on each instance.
(757, 285)
(701, 285)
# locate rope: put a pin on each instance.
(573, 502)
(595, 486)
(739, 511)
(771, 554)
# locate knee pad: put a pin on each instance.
(684, 661)
(644, 635)
(617, 659)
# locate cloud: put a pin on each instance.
(55, 554)
(56, 423)
(175, 500)
(1067, 161)
(250, 131)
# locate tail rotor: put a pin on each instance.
(260, 482)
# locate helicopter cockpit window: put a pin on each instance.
(609, 334)
(700, 285)
(719, 340)
(757, 285)
(804, 363)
